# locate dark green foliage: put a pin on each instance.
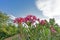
(52, 21)
(6, 29)
(40, 32)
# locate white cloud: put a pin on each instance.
(50, 8)
(12, 17)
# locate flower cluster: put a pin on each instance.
(32, 19)
(29, 18)
(45, 28)
(19, 20)
(43, 22)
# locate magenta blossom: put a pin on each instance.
(19, 20)
(52, 29)
(43, 22)
(30, 18)
(38, 20)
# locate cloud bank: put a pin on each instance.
(50, 8)
(12, 17)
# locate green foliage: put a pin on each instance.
(6, 29)
(3, 17)
(49, 31)
(40, 32)
(52, 21)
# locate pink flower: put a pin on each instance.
(19, 20)
(52, 29)
(26, 19)
(30, 18)
(43, 22)
(16, 19)
(38, 20)
(34, 17)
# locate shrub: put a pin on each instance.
(32, 28)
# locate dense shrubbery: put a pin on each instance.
(6, 29)
(30, 28)
(36, 29)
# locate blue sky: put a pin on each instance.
(19, 8)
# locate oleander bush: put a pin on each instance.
(32, 28)
(29, 27)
